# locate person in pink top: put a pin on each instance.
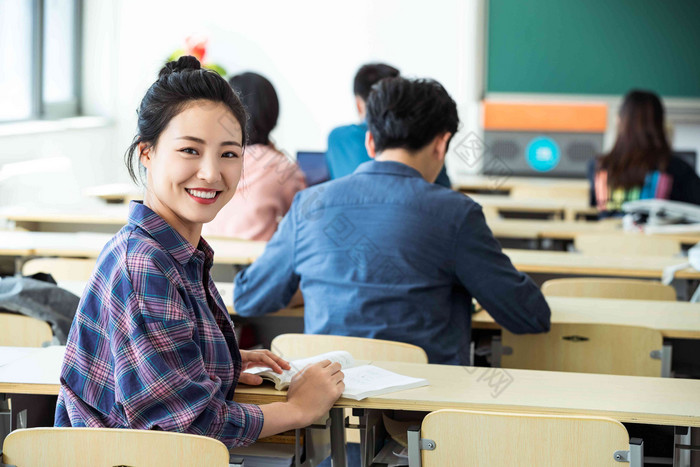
(270, 179)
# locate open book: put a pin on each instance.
(360, 381)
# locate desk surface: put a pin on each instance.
(569, 230)
(499, 183)
(674, 319)
(89, 245)
(624, 398)
(116, 215)
(245, 252)
(562, 262)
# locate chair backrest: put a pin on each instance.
(629, 245)
(62, 269)
(86, 447)
(488, 439)
(585, 348)
(308, 345)
(608, 288)
(551, 192)
(23, 331)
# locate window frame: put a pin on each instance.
(40, 110)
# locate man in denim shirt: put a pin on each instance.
(385, 253)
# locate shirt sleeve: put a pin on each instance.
(510, 296)
(161, 377)
(270, 282)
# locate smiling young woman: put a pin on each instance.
(152, 345)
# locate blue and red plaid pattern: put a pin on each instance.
(150, 346)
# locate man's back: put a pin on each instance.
(384, 254)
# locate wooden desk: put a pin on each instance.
(624, 398)
(569, 209)
(114, 192)
(562, 262)
(89, 245)
(106, 219)
(538, 229)
(674, 319)
(505, 184)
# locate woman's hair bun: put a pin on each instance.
(186, 62)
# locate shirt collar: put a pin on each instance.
(174, 243)
(388, 167)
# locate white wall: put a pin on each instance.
(309, 49)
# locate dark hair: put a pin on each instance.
(260, 101)
(641, 145)
(403, 113)
(368, 75)
(179, 83)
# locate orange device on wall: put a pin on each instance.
(553, 139)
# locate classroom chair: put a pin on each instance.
(23, 331)
(626, 245)
(589, 348)
(308, 345)
(453, 437)
(62, 269)
(87, 447)
(632, 289)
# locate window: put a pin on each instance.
(39, 59)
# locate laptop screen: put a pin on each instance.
(314, 166)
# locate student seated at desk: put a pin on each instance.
(385, 253)
(346, 144)
(152, 345)
(270, 180)
(640, 165)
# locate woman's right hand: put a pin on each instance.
(314, 390)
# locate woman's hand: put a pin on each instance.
(256, 358)
(314, 389)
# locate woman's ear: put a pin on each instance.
(144, 150)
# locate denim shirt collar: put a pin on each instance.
(388, 167)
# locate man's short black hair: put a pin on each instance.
(408, 114)
(368, 75)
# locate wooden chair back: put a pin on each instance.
(23, 331)
(489, 439)
(586, 348)
(307, 345)
(87, 447)
(62, 269)
(626, 245)
(293, 346)
(608, 288)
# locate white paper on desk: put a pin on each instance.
(10, 354)
(40, 367)
(369, 380)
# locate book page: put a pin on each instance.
(282, 380)
(368, 380)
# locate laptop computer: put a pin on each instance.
(314, 166)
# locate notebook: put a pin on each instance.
(360, 381)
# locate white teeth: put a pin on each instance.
(202, 194)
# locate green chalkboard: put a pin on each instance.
(594, 46)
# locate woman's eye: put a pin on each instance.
(229, 155)
(189, 151)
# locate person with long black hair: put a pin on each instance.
(640, 164)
